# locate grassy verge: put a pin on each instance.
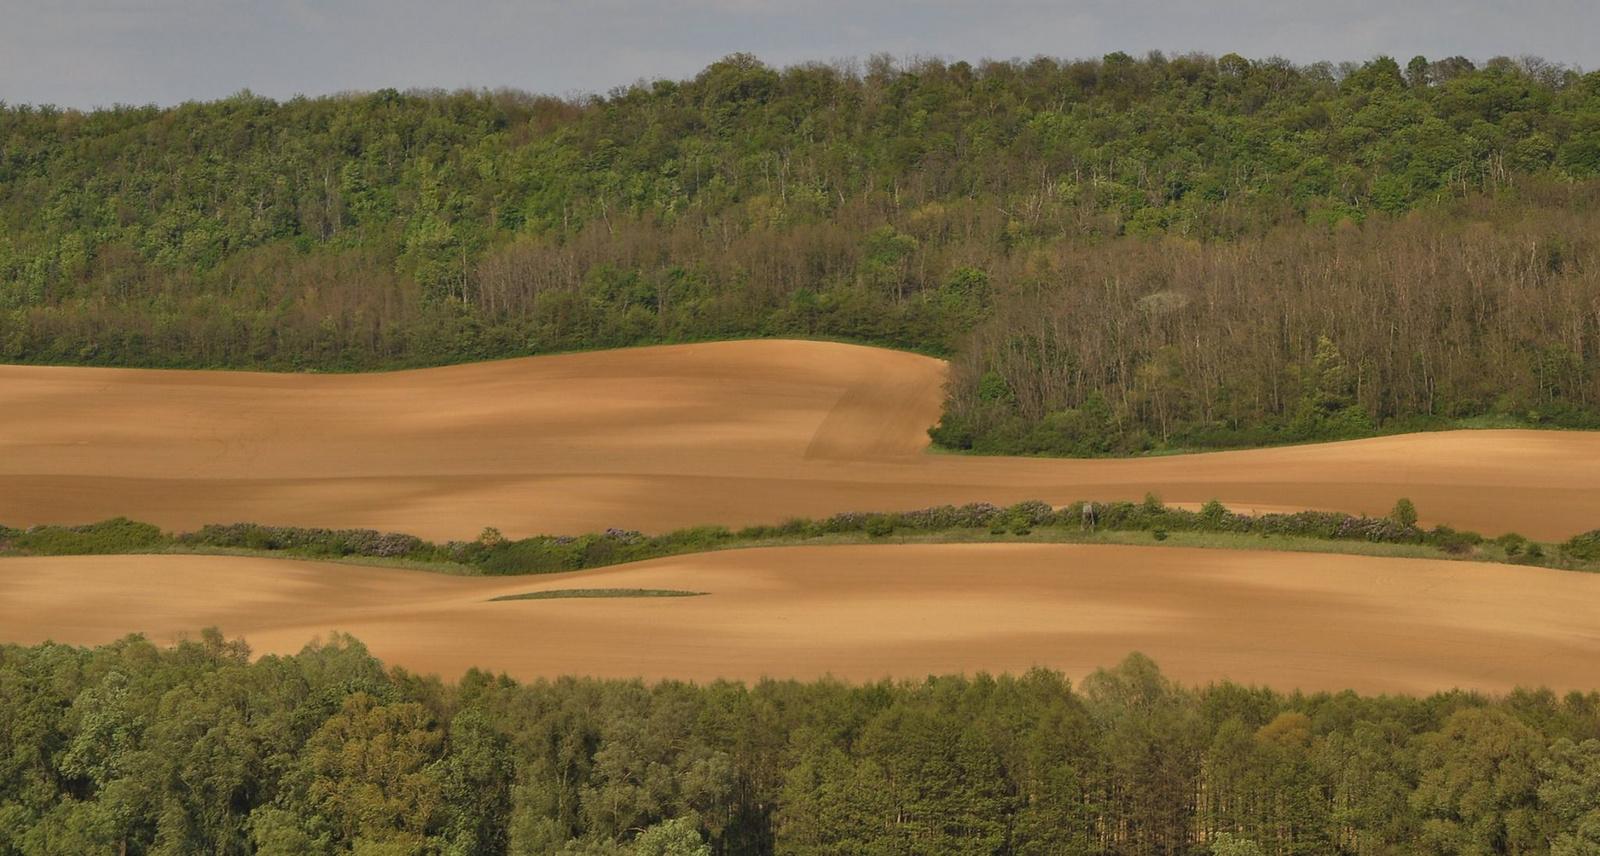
(557, 594)
(1258, 440)
(453, 568)
(940, 350)
(1193, 540)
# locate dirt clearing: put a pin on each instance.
(658, 438)
(863, 612)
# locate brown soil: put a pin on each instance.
(863, 612)
(658, 438)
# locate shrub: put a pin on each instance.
(1380, 530)
(308, 542)
(930, 519)
(849, 521)
(796, 527)
(1033, 512)
(685, 540)
(758, 533)
(1179, 518)
(1306, 524)
(951, 433)
(1584, 547)
(880, 526)
(623, 536)
(1122, 515)
(118, 535)
(490, 536)
(1453, 542)
(529, 556)
(595, 553)
(1512, 543)
(464, 552)
(1404, 513)
(1212, 514)
(975, 515)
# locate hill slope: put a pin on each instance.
(1159, 246)
(659, 438)
(1288, 620)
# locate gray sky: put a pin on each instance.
(84, 53)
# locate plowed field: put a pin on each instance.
(862, 612)
(658, 438)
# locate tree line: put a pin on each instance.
(1303, 334)
(133, 748)
(1198, 224)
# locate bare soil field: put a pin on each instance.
(864, 612)
(658, 438)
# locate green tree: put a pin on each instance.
(1225, 844)
(1418, 72)
(671, 838)
(886, 267)
(1478, 786)
(371, 778)
(1571, 793)
(478, 773)
(1149, 745)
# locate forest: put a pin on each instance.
(1120, 255)
(134, 748)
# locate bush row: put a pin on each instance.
(493, 554)
(311, 542)
(118, 535)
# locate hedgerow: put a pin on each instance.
(494, 555)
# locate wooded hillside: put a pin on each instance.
(1204, 228)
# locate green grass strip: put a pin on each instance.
(554, 594)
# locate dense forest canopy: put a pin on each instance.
(1124, 253)
(137, 749)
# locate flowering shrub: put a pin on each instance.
(849, 521)
(313, 542)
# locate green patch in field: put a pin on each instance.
(601, 592)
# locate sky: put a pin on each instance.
(83, 54)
